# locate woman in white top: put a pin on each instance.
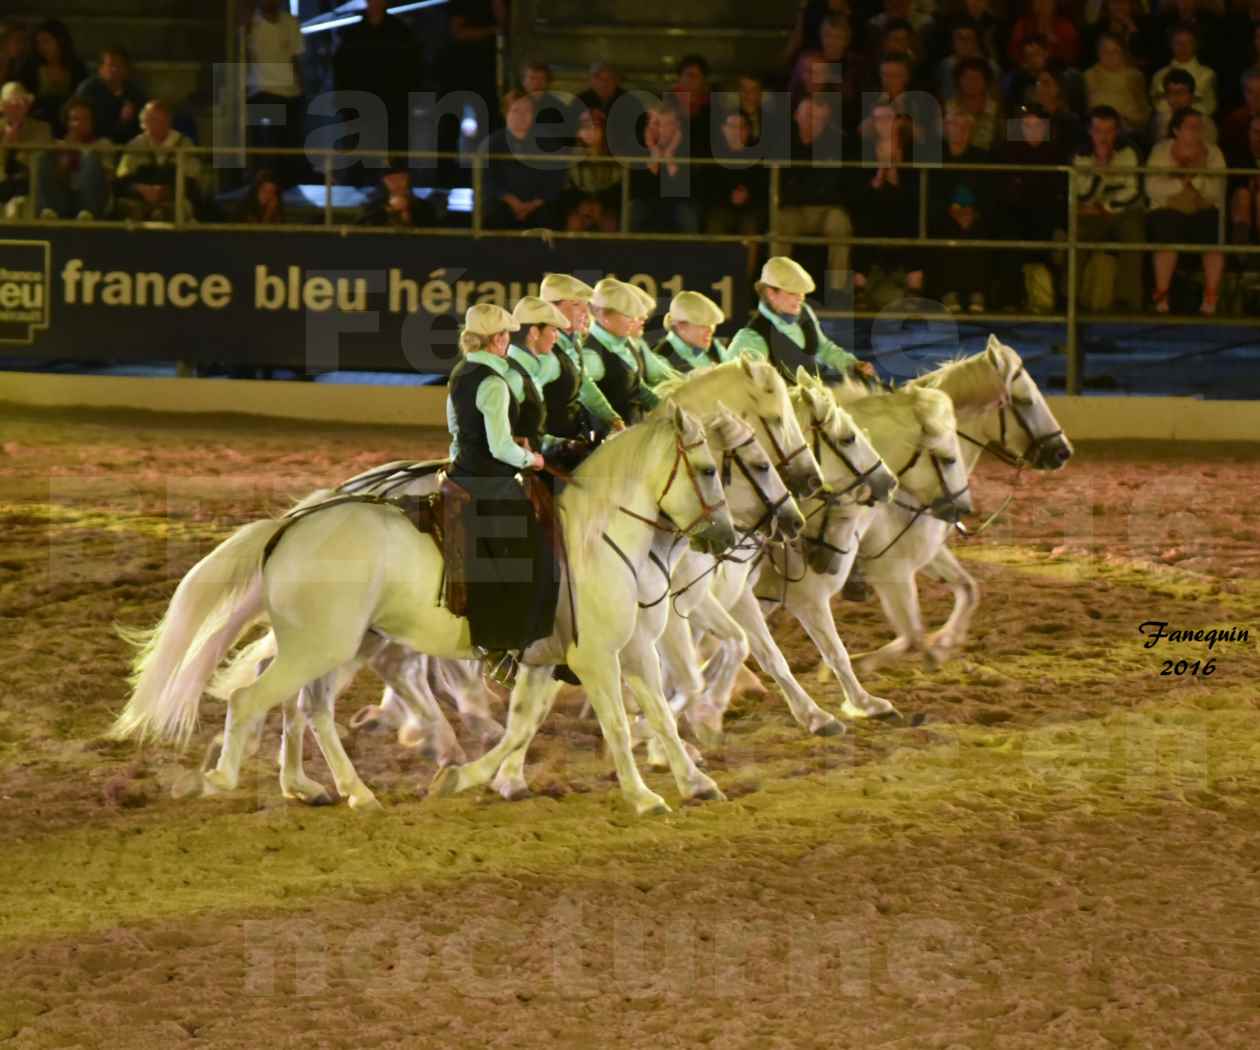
(1186, 208)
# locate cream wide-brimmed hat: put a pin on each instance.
(694, 308)
(532, 310)
(488, 319)
(647, 304)
(612, 294)
(562, 287)
(787, 275)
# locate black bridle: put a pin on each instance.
(860, 477)
(1000, 450)
(707, 510)
(923, 508)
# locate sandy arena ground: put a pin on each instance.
(1065, 855)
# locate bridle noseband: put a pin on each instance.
(1035, 441)
(707, 510)
(821, 438)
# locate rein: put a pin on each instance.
(923, 508)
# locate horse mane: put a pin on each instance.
(903, 412)
(974, 383)
(692, 383)
(726, 430)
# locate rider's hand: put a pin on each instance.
(865, 368)
(618, 424)
(537, 462)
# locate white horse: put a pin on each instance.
(705, 590)
(337, 573)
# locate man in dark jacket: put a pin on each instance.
(380, 56)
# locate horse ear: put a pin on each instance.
(993, 351)
(802, 376)
(680, 419)
(746, 363)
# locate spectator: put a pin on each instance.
(395, 204)
(146, 187)
(661, 187)
(965, 43)
(1235, 140)
(604, 88)
(959, 209)
(899, 38)
(379, 56)
(1178, 97)
(837, 69)
(690, 95)
(1117, 83)
(274, 45)
(810, 195)
(1185, 209)
(1044, 20)
(1109, 201)
(738, 189)
(19, 129)
(74, 183)
(53, 71)
(115, 97)
(1184, 57)
(1021, 83)
(1065, 126)
(521, 193)
(920, 20)
(1192, 14)
(973, 95)
(1135, 31)
(15, 51)
(554, 117)
(807, 32)
(593, 183)
(468, 62)
(816, 83)
(917, 112)
(1244, 204)
(889, 202)
(992, 29)
(752, 104)
(264, 203)
(1033, 204)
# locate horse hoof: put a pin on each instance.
(213, 750)
(710, 794)
(215, 783)
(365, 804)
(656, 808)
(833, 728)
(918, 718)
(892, 715)
(322, 799)
(367, 718)
(446, 783)
(187, 784)
(515, 792)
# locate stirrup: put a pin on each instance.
(501, 665)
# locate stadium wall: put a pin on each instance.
(1084, 418)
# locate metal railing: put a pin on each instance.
(1070, 247)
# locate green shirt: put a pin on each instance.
(493, 400)
(698, 358)
(622, 350)
(542, 368)
(590, 395)
(829, 355)
(657, 369)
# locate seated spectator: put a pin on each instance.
(146, 188)
(15, 51)
(753, 103)
(115, 96)
(1199, 17)
(1235, 140)
(1109, 201)
(74, 183)
(965, 43)
(816, 82)
(264, 203)
(18, 128)
(992, 29)
(837, 69)
(959, 210)
(1032, 204)
(809, 196)
(395, 204)
(690, 95)
(519, 194)
(973, 95)
(737, 191)
(1021, 84)
(888, 203)
(53, 71)
(900, 39)
(806, 33)
(1244, 202)
(917, 112)
(1117, 83)
(1123, 20)
(1184, 57)
(593, 182)
(1065, 126)
(554, 116)
(662, 185)
(1044, 20)
(1178, 98)
(920, 20)
(1185, 209)
(604, 88)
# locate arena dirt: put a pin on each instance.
(1063, 855)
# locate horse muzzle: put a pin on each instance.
(950, 510)
(1053, 455)
(716, 537)
(804, 479)
(789, 521)
(880, 487)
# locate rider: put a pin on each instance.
(556, 420)
(689, 342)
(785, 330)
(656, 368)
(506, 563)
(571, 296)
(619, 370)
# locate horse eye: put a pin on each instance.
(1025, 402)
(849, 440)
(761, 468)
(948, 461)
(709, 472)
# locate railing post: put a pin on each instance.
(776, 172)
(1075, 366)
(179, 188)
(478, 184)
(923, 203)
(328, 187)
(625, 198)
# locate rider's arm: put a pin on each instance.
(492, 403)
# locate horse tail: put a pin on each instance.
(244, 667)
(219, 597)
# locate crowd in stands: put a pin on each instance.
(1104, 86)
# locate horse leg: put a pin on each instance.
(461, 682)
(643, 677)
(808, 714)
(900, 600)
(949, 639)
(680, 667)
(812, 610)
(294, 783)
(421, 723)
(705, 718)
(322, 696)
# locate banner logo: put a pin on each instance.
(25, 290)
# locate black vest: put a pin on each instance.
(665, 349)
(565, 415)
(621, 384)
(474, 457)
(531, 418)
(785, 354)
